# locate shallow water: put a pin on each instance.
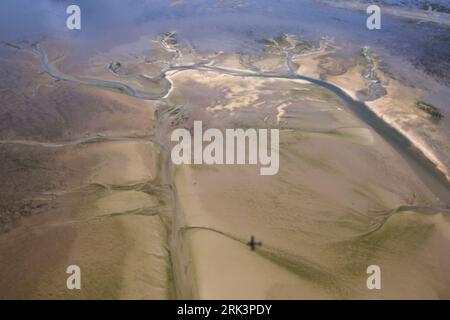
(210, 24)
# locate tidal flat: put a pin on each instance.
(85, 127)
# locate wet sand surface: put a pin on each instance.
(334, 208)
(89, 181)
(82, 189)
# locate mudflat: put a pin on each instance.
(89, 180)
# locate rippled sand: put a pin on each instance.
(329, 213)
(139, 227)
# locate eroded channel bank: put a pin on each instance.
(425, 168)
(179, 249)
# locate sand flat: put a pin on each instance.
(322, 219)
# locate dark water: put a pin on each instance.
(222, 26)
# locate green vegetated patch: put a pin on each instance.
(362, 52)
(115, 88)
(320, 93)
(154, 86)
(302, 47)
(298, 93)
(176, 98)
(282, 41)
(305, 270)
(285, 41)
(430, 110)
(400, 235)
(170, 38)
(356, 222)
(271, 48)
